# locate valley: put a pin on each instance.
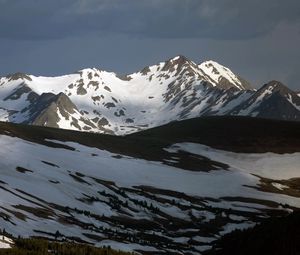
(174, 195)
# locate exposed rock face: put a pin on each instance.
(45, 111)
(17, 76)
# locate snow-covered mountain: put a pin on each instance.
(99, 101)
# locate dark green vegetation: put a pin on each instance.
(276, 236)
(44, 247)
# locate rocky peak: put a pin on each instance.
(179, 63)
(17, 76)
(277, 87)
(63, 101)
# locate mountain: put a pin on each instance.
(174, 189)
(98, 101)
(272, 100)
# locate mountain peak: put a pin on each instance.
(179, 58)
(177, 63)
(17, 76)
(275, 83)
(223, 76)
(276, 86)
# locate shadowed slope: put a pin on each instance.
(240, 134)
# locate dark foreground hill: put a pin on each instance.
(276, 236)
(240, 134)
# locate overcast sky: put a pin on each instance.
(258, 39)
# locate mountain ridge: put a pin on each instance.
(172, 90)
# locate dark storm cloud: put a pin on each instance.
(258, 39)
(227, 19)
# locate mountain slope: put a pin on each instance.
(222, 76)
(164, 194)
